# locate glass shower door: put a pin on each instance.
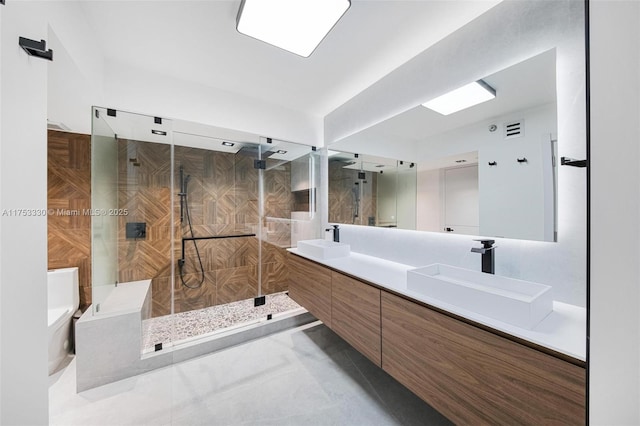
(104, 198)
(291, 176)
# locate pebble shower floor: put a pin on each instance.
(201, 322)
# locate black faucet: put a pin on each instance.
(488, 260)
(336, 232)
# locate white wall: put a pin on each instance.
(407, 198)
(139, 91)
(614, 372)
(70, 93)
(23, 246)
(428, 200)
(76, 75)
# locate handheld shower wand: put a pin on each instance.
(184, 181)
(184, 212)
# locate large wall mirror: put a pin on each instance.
(489, 169)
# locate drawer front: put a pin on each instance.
(310, 287)
(476, 377)
(355, 314)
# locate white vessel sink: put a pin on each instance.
(323, 249)
(517, 302)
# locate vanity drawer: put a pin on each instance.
(476, 377)
(355, 314)
(310, 287)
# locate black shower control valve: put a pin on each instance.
(136, 230)
(448, 229)
(522, 160)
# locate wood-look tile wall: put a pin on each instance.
(342, 200)
(222, 200)
(69, 190)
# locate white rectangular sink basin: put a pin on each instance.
(517, 302)
(323, 249)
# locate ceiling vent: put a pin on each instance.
(514, 129)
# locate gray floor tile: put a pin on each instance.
(304, 376)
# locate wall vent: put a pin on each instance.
(514, 129)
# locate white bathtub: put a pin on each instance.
(63, 297)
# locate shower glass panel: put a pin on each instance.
(104, 197)
(206, 214)
(291, 177)
(216, 224)
(132, 166)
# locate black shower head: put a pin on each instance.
(185, 183)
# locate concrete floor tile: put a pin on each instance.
(303, 376)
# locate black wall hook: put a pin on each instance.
(566, 161)
(493, 163)
(36, 48)
(522, 160)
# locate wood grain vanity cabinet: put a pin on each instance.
(310, 287)
(473, 376)
(466, 372)
(355, 314)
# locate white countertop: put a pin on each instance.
(564, 330)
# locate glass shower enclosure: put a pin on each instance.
(205, 213)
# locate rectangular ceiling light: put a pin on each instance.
(466, 96)
(297, 26)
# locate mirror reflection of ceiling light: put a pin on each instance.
(462, 98)
(281, 151)
(293, 25)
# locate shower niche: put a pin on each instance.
(219, 209)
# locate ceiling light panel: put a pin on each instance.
(297, 26)
(462, 98)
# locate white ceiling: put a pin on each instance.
(197, 41)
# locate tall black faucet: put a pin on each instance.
(336, 232)
(488, 259)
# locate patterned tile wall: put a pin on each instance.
(342, 183)
(223, 200)
(69, 190)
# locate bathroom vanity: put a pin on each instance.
(471, 368)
